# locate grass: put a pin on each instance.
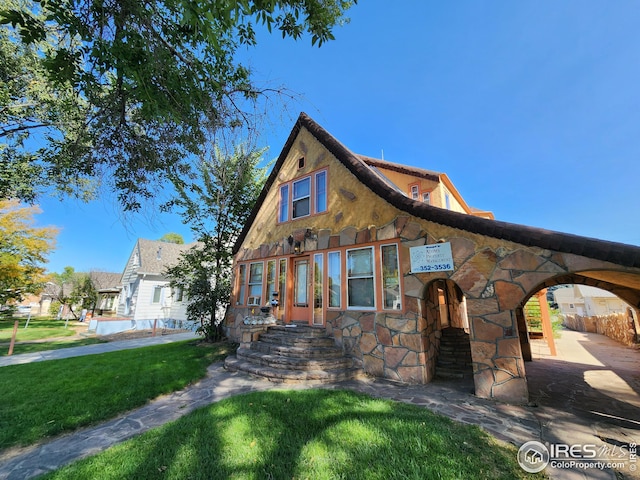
(316, 434)
(38, 400)
(32, 338)
(38, 329)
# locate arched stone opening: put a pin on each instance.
(448, 344)
(624, 285)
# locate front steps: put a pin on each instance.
(454, 358)
(294, 354)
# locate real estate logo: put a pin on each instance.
(533, 457)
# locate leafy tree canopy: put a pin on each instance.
(216, 205)
(172, 237)
(124, 91)
(23, 251)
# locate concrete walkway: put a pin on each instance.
(560, 414)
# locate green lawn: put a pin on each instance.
(33, 347)
(38, 329)
(314, 434)
(42, 399)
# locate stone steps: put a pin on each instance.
(294, 354)
(454, 357)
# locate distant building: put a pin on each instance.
(588, 301)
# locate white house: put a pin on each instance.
(146, 299)
(588, 301)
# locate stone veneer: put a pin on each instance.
(495, 276)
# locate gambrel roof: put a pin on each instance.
(361, 167)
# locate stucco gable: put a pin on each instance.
(622, 254)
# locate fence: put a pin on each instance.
(617, 326)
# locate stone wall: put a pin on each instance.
(617, 326)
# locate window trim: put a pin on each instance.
(301, 198)
(400, 296)
(157, 288)
(249, 285)
(372, 249)
(313, 178)
(341, 278)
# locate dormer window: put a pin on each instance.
(301, 162)
(415, 192)
(426, 197)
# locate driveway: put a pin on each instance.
(588, 394)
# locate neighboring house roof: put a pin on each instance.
(593, 292)
(622, 254)
(154, 256)
(105, 282)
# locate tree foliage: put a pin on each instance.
(23, 251)
(172, 237)
(75, 290)
(125, 91)
(216, 206)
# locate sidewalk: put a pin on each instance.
(568, 409)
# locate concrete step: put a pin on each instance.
(232, 363)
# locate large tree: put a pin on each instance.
(23, 251)
(125, 91)
(216, 205)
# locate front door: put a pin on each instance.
(301, 309)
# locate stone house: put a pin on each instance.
(388, 259)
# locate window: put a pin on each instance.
(282, 282)
(271, 280)
(301, 198)
(360, 282)
(177, 294)
(283, 213)
(300, 285)
(318, 276)
(321, 192)
(426, 197)
(255, 283)
(334, 279)
(414, 192)
(157, 295)
(390, 278)
(242, 288)
(447, 201)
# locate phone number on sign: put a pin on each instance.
(438, 267)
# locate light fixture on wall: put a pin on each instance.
(297, 248)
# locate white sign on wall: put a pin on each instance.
(431, 258)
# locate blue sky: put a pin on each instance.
(531, 108)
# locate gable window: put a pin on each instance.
(390, 278)
(283, 212)
(447, 201)
(360, 282)
(242, 284)
(301, 199)
(415, 192)
(426, 197)
(255, 283)
(321, 192)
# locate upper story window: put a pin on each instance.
(426, 197)
(415, 192)
(303, 197)
(447, 201)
